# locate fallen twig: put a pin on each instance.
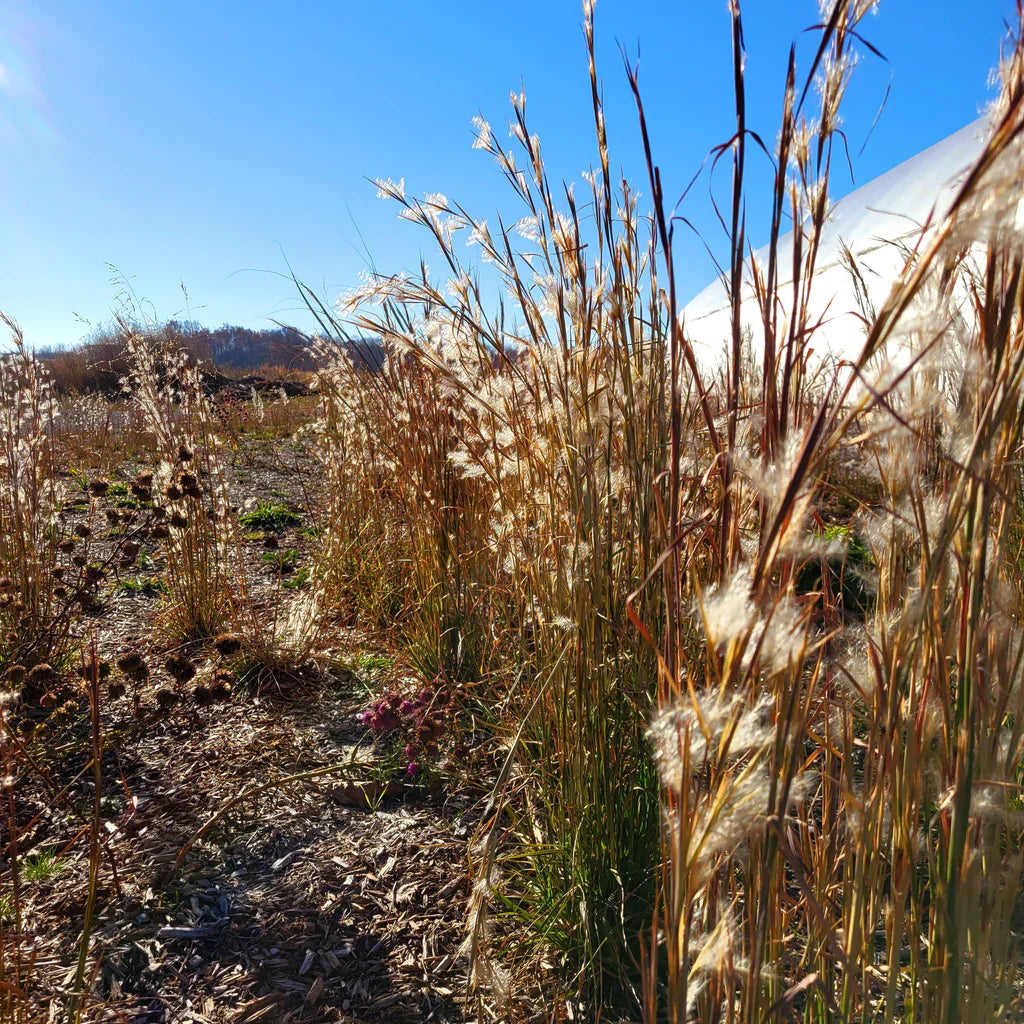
(255, 791)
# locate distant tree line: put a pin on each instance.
(97, 363)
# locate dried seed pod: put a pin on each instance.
(173, 492)
(79, 560)
(185, 453)
(41, 675)
(222, 682)
(227, 644)
(15, 675)
(116, 690)
(133, 665)
(83, 530)
(67, 545)
(180, 667)
(99, 487)
(160, 532)
(166, 699)
(202, 696)
(177, 520)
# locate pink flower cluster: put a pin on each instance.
(420, 721)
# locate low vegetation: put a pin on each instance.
(725, 660)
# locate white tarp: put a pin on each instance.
(878, 223)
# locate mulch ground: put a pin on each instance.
(321, 899)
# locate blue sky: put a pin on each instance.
(206, 143)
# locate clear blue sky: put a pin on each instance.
(206, 141)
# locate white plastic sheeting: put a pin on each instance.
(878, 223)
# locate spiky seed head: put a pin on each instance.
(15, 675)
(180, 668)
(166, 699)
(227, 644)
(42, 674)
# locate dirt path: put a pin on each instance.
(302, 904)
(307, 903)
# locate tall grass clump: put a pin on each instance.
(32, 617)
(497, 479)
(746, 635)
(197, 523)
(840, 826)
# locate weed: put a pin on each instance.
(368, 661)
(147, 586)
(300, 581)
(42, 867)
(283, 561)
(272, 516)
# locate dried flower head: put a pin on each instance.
(227, 644)
(43, 674)
(133, 665)
(180, 668)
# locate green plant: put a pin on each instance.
(300, 581)
(148, 586)
(42, 867)
(269, 515)
(283, 561)
(369, 661)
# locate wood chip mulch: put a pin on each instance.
(314, 901)
(321, 900)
